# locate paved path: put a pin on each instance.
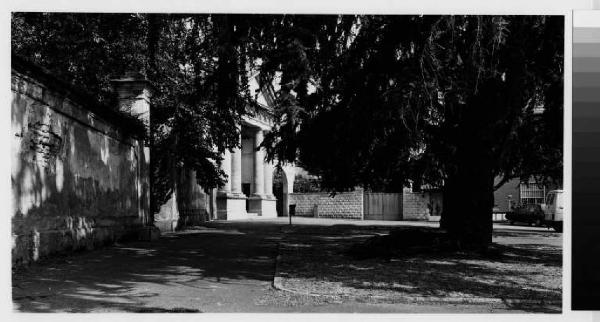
(225, 267)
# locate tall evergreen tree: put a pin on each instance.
(453, 101)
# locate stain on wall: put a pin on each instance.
(44, 142)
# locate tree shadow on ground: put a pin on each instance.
(186, 271)
(148, 276)
(520, 233)
(319, 257)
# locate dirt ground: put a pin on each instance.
(228, 267)
(527, 270)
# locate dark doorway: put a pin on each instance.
(246, 191)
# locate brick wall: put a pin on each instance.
(346, 205)
(421, 205)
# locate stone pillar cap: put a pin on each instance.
(133, 77)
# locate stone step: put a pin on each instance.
(252, 214)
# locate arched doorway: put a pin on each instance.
(280, 191)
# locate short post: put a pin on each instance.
(291, 212)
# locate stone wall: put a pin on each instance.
(421, 205)
(346, 205)
(306, 203)
(75, 169)
(350, 205)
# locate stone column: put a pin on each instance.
(236, 170)
(269, 180)
(231, 201)
(262, 202)
(259, 176)
(226, 167)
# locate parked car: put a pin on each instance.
(553, 209)
(530, 214)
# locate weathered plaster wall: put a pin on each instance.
(75, 176)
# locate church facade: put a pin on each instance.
(248, 191)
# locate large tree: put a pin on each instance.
(453, 101)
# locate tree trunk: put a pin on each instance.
(469, 188)
(468, 203)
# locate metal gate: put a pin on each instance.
(382, 206)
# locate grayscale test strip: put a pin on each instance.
(586, 162)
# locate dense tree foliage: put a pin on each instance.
(372, 101)
(453, 101)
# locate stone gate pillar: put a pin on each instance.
(134, 93)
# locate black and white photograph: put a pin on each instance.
(193, 162)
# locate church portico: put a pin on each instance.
(249, 188)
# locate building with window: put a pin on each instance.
(516, 192)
